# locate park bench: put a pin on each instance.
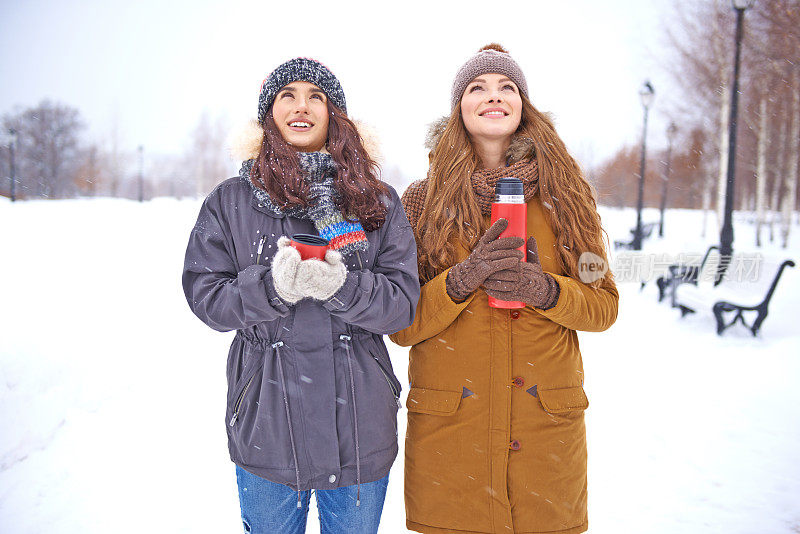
(647, 231)
(746, 289)
(686, 273)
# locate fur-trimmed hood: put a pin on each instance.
(520, 148)
(245, 141)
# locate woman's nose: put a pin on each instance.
(494, 97)
(301, 105)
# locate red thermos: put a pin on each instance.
(509, 203)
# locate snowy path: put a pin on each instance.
(112, 393)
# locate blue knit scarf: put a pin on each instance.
(319, 170)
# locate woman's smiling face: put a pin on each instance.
(491, 107)
(300, 112)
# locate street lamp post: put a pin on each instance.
(141, 175)
(12, 148)
(726, 234)
(671, 131)
(647, 94)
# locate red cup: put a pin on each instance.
(310, 246)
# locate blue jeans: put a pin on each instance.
(268, 507)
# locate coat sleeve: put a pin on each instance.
(582, 307)
(222, 296)
(383, 300)
(435, 312)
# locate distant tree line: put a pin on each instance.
(52, 159)
(699, 57)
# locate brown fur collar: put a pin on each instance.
(520, 148)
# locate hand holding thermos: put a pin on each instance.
(490, 256)
(525, 282)
(495, 263)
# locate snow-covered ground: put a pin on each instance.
(112, 393)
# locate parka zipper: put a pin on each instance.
(391, 386)
(260, 248)
(345, 339)
(239, 401)
(237, 406)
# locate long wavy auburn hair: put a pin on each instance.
(277, 171)
(451, 213)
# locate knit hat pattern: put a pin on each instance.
(304, 70)
(488, 60)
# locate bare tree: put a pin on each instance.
(699, 56)
(790, 179)
(761, 166)
(114, 159)
(5, 164)
(700, 53)
(48, 150)
(207, 158)
(777, 51)
(87, 176)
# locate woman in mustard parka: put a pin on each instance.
(496, 439)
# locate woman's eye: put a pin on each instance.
(509, 86)
(317, 96)
(284, 95)
(475, 88)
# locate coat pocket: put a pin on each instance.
(563, 400)
(384, 363)
(242, 386)
(258, 426)
(433, 401)
(395, 389)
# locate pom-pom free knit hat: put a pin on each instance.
(490, 58)
(300, 69)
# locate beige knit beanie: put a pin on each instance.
(490, 58)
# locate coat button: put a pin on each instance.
(514, 445)
(332, 479)
(515, 314)
(518, 381)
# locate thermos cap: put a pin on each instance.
(508, 186)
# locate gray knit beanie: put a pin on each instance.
(304, 70)
(491, 58)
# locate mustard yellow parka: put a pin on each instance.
(496, 440)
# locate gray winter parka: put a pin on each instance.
(312, 397)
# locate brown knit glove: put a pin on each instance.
(525, 282)
(490, 256)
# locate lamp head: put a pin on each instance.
(671, 131)
(743, 4)
(647, 93)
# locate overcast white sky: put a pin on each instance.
(155, 66)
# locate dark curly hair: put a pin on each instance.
(277, 171)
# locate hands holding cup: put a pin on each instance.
(304, 267)
(309, 246)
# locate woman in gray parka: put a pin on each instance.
(312, 398)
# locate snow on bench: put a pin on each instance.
(686, 273)
(747, 286)
(647, 231)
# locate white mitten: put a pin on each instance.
(321, 279)
(284, 271)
